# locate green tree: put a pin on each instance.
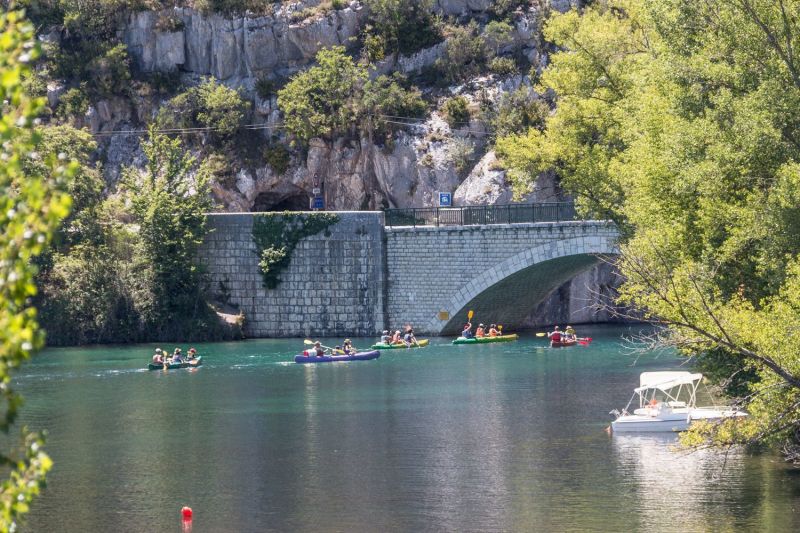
(465, 55)
(680, 120)
(336, 97)
(403, 26)
(323, 99)
(209, 105)
(33, 205)
(169, 203)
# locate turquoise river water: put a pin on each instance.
(502, 437)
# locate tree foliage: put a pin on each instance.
(169, 204)
(33, 203)
(680, 120)
(209, 105)
(336, 97)
(402, 26)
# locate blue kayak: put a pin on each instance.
(361, 356)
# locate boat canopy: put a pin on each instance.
(666, 380)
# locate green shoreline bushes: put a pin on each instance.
(124, 268)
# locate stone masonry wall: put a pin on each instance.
(432, 270)
(333, 286)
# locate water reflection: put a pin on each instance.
(675, 488)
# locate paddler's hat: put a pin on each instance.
(386, 332)
(347, 341)
(158, 350)
(192, 350)
(481, 325)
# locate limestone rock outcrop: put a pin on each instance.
(233, 49)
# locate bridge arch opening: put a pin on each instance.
(513, 299)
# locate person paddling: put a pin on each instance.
(396, 338)
(409, 338)
(480, 332)
(569, 332)
(318, 350)
(385, 337)
(467, 331)
(493, 331)
(158, 357)
(176, 356)
(555, 335)
(347, 347)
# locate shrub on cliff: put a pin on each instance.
(209, 105)
(465, 55)
(403, 26)
(456, 112)
(336, 98)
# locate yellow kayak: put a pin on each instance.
(421, 343)
(481, 340)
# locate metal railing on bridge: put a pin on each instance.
(481, 214)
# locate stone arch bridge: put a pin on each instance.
(362, 276)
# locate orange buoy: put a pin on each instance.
(186, 512)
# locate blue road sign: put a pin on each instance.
(445, 199)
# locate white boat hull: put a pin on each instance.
(645, 424)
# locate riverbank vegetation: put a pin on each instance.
(123, 268)
(679, 120)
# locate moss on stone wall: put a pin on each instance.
(276, 235)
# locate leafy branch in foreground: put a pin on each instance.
(32, 204)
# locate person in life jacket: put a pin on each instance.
(493, 331)
(480, 332)
(555, 335)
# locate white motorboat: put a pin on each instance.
(667, 402)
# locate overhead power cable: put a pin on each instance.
(389, 119)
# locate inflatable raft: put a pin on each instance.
(482, 340)
(361, 356)
(186, 364)
(382, 346)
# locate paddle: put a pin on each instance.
(541, 334)
(584, 341)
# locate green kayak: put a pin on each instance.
(381, 346)
(481, 340)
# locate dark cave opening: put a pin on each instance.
(270, 201)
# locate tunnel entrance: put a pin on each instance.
(273, 201)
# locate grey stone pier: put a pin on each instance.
(358, 277)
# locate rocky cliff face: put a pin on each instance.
(238, 50)
(356, 174)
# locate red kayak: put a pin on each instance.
(583, 341)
